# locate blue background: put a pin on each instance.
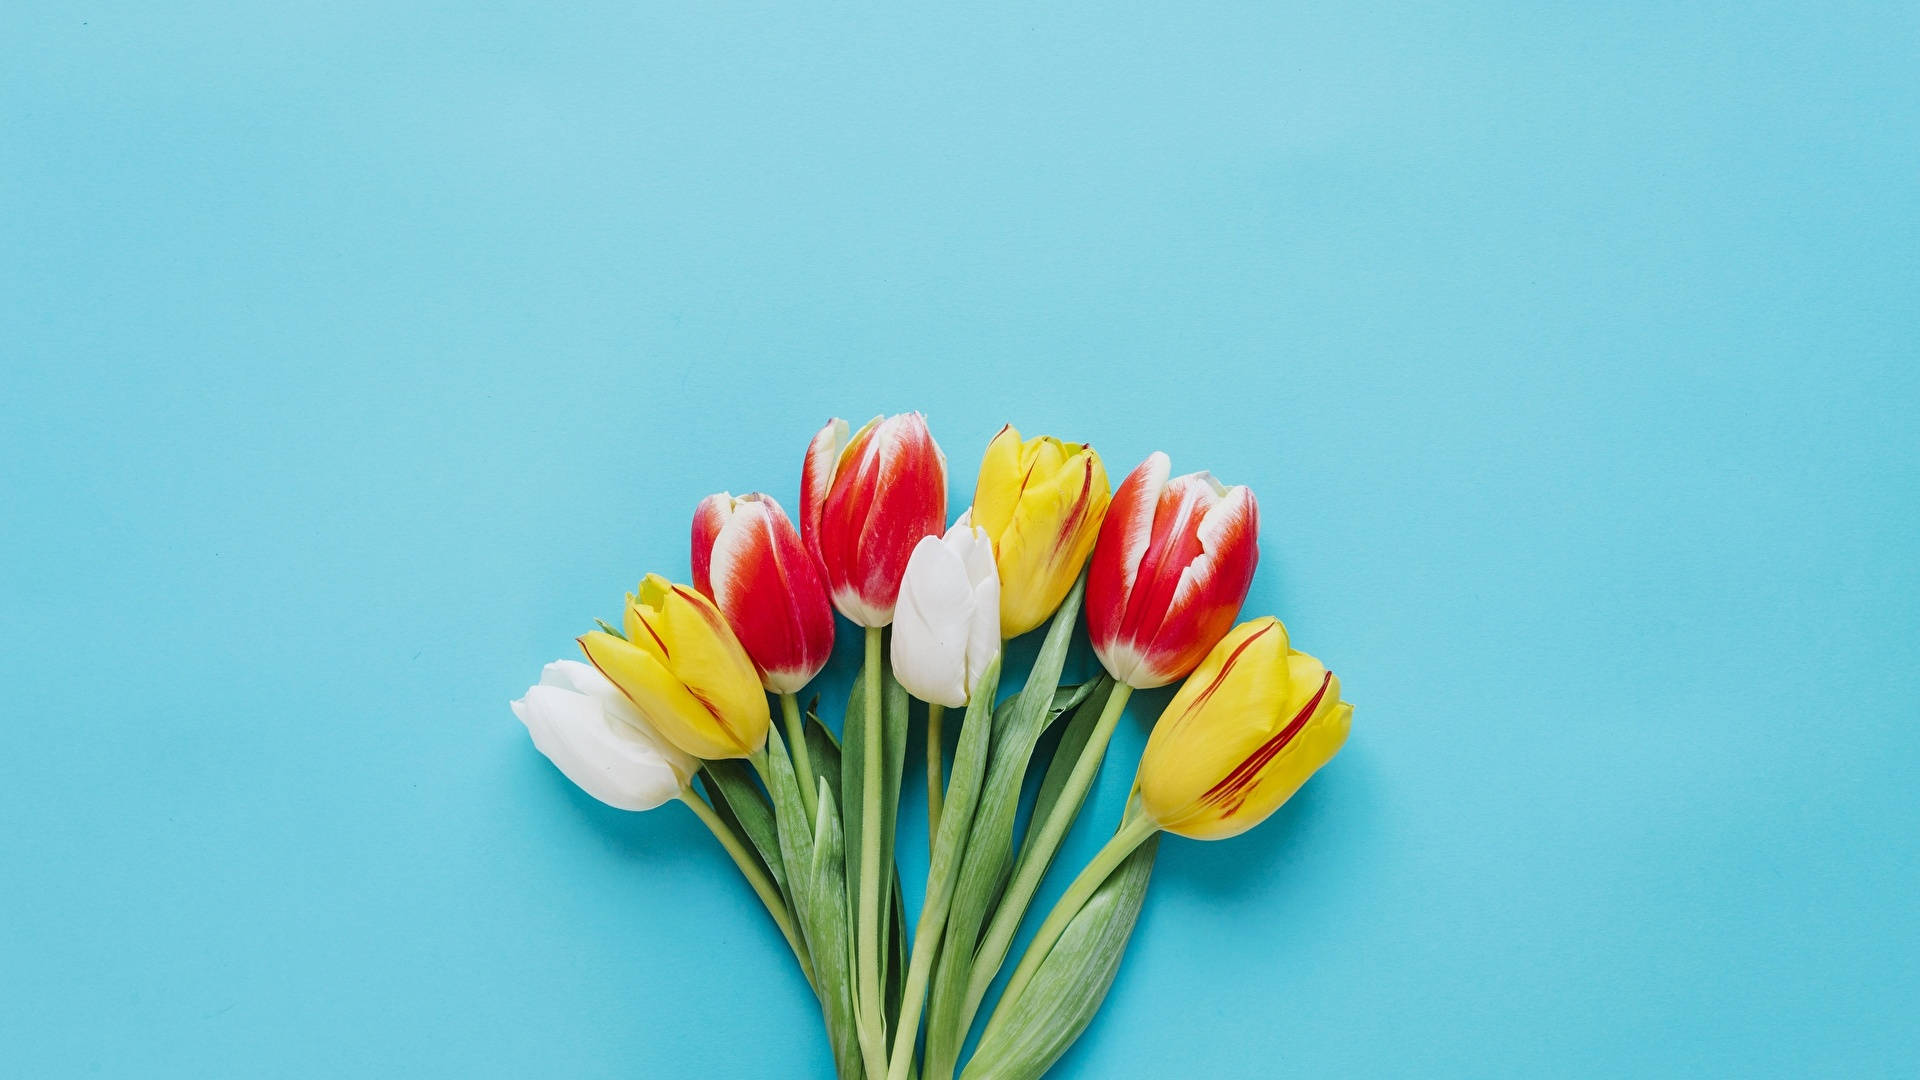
(355, 355)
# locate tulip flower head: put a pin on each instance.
(681, 665)
(946, 628)
(588, 728)
(1041, 501)
(865, 501)
(1241, 736)
(1172, 566)
(748, 559)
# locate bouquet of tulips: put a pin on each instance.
(679, 693)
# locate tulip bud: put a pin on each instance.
(1253, 723)
(748, 559)
(685, 671)
(1042, 502)
(946, 630)
(1171, 568)
(865, 502)
(586, 727)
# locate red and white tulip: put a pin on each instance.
(865, 501)
(1173, 564)
(748, 559)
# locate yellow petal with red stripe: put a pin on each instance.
(1253, 723)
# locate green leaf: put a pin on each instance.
(814, 856)
(825, 750)
(1072, 982)
(989, 850)
(1066, 753)
(738, 799)
(853, 777)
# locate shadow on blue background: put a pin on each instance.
(356, 355)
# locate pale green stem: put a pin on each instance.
(756, 877)
(1035, 861)
(868, 944)
(1134, 831)
(936, 788)
(943, 861)
(802, 760)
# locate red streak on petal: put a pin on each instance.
(725, 728)
(1070, 524)
(1231, 793)
(1226, 667)
(655, 634)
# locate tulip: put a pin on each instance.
(681, 665)
(590, 730)
(1255, 721)
(1042, 501)
(946, 629)
(593, 734)
(865, 501)
(946, 633)
(1171, 568)
(748, 559)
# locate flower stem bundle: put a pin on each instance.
(673, 705)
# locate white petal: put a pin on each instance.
(574, 675)
(930, 625)
(586, 679)
(609, 760)
(975, 550)
(983, 630)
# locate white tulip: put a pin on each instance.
(946, 627)
(588, 728)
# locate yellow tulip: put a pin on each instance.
(1041, 502)
(1253, 722)
(685, 671)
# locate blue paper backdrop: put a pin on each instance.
(353, 355)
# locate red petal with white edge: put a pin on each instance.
(708, 519)
(1124, 537)
(766, 585)
(816, 479)
(1207, 595)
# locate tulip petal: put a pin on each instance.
(1002, 478)
(674, 712)
(1209, 590)
(709, 662)
(1242, 735)
(816, 478)
(1124, 539)
(710, 519)
(607, 759)
(931, 624)
(768, 588)
(888, 491)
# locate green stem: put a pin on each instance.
(1036, 859)
(802, 760)
(935, 786)
(969, 765)
(756, 877)
(868, 944)
(1133, 832)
